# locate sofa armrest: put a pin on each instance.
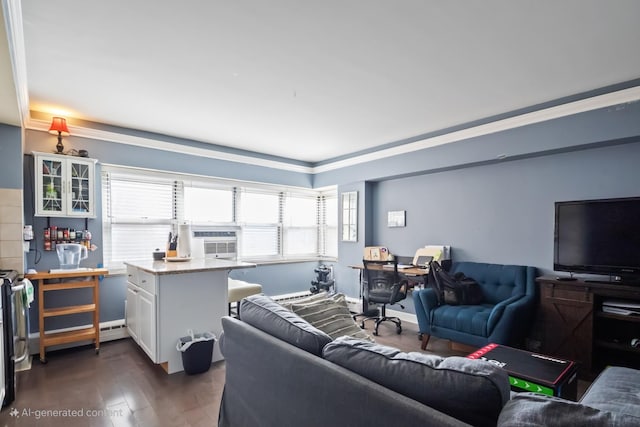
(531, 409)
(424, 301)
(617, 389)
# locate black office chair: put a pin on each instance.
(383, 286)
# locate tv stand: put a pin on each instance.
(628, 281)
(576, 327)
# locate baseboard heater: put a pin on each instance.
(109, 331)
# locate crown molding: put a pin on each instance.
(588, 104)
(13, 20)
(155, 144)
(13, 17)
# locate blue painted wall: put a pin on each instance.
(276, 278)
(504, 212)
(487, 209)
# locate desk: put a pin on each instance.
(71, 279)
(407, 272)
(411, 272)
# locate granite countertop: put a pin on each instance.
(193, 266)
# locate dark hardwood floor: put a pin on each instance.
(121, 387)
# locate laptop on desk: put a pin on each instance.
(422, 261)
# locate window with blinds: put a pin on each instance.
(329, 224)
(137, 218)
(259, 215)
(206, 205)
(140, 208)
(300, 225)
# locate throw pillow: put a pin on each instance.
(331, 315)
(473, 391)
(263, 313)
(304, 300)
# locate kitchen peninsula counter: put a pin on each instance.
(167, 300)
(191, 266)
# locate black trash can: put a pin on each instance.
(196, 350)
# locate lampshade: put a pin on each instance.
(58, 124)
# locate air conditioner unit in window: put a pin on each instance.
(214, 243)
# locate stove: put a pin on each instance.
(10, 291)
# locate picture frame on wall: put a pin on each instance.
(396, 218)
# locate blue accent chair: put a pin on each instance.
(504, 317)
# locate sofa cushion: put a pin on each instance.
(470, 319)
(532, 409)
(616, 389)
(267, 315)
(498, 282)
(471, 390)
(331, 315)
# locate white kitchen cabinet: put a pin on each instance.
(64, 186)
(147, 322)
(131, 315)
(175, 297)
(141, 311)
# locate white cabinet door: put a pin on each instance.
(131, 316)
(147, 318)
(64, 186)
(81, 182)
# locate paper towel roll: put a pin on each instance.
(184, 241)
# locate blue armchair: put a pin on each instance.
(504, 317)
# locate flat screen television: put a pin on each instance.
(598, 237)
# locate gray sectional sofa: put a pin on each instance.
(282, 371)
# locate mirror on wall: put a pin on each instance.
(350, 216)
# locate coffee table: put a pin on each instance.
(534, 372)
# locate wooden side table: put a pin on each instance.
(60, 280)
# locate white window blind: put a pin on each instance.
(204, 205)
(329, 234)
(141, 207)
(137, 217)
(300, 225)
(259, 214)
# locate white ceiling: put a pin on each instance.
(312, 81)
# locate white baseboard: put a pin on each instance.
(109, 331)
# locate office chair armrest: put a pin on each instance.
(399, 290)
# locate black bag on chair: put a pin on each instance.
(456, 289)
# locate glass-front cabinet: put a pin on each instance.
(64, 185)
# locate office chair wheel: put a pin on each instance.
(398, 329)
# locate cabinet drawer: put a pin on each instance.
(132, 275)
(147, 281)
